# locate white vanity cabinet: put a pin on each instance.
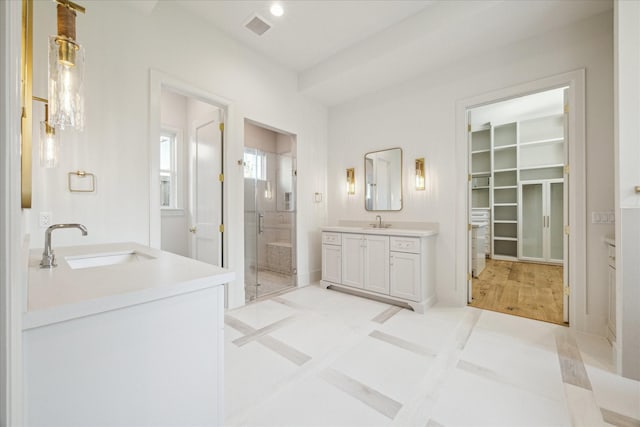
(365, 262)
(131, 344)
(397, 265)
(332, 257)
(405, 268)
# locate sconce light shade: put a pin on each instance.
(66, 75)
(420, 175)
(351, 181)
(66, 70)
(48, 146)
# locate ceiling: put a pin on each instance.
(333, 44)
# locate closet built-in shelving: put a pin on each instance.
(504, 158)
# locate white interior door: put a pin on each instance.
(206, 241)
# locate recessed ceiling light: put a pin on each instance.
(276, 9)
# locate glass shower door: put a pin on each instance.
(251, 170)
(269, 236)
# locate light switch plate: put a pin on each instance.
(603, 218)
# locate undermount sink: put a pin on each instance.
(102, 260)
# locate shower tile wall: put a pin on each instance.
(276, 241)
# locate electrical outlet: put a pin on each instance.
(45, 219)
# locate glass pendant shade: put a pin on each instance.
(66, 79)
(48, 146)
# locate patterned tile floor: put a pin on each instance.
(316, 357)
(270, 282)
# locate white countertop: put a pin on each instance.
(63, 293)
(384, 231)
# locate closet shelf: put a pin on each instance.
(543, 141)
(508, 239)
(505, 170)
(504, 187)
(505, 204)
(480, 151)
(556, 165)
(504, 147)
(505, 221)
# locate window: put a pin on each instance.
(168, 170)
(255, 164)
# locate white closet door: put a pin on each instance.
(556, 221)
(533, 221)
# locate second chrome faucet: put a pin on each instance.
(48, 257)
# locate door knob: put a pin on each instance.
(192, 230)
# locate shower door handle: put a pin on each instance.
(260, 223)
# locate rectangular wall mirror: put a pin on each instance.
(383, 180)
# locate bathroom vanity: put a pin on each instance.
(122, 334)
(389, 263)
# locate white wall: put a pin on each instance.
(419, 117)
(115, 142)
(627, 159)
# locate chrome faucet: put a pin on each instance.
(48, 257)
(379, 218)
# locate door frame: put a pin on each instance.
(158, 80)
(576, 258)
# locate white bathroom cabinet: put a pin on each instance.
(332, 257)
(140, 343)
(365, 262)
(398, 265)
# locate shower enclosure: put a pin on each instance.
(269, 230)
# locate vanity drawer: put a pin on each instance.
(331, 238)
(405, 244)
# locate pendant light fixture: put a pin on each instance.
(48, 141)
(66, 70)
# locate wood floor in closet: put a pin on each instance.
(520, 288)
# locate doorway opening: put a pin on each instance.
(190, 164)
(269, 210)
(518, 198)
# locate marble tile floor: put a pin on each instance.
(270, 282)
(316, 357)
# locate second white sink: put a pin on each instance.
(102, 260)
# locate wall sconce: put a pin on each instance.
(351, 181)
(420, 176)
(48, 140)
(66, 70)
(268, 192)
